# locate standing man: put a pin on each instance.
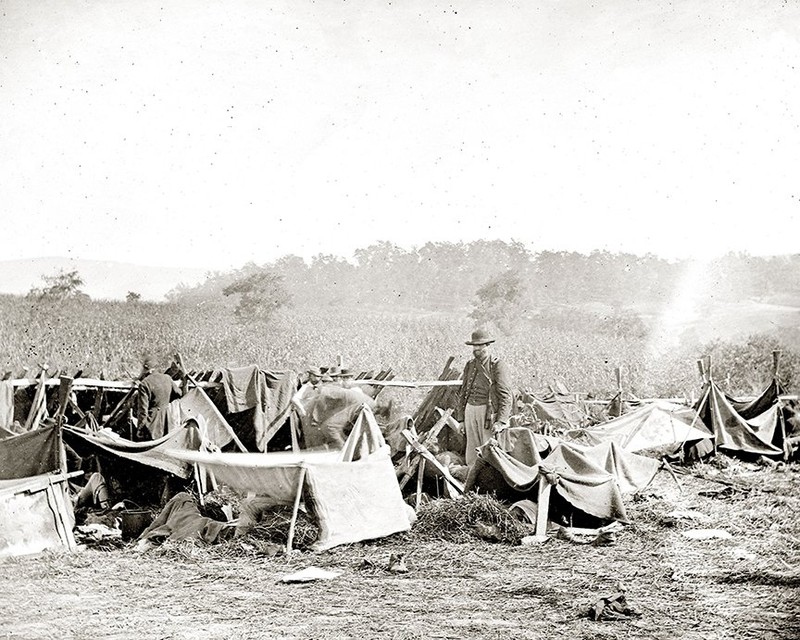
(485, 397)
(155, 390)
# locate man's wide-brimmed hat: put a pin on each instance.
(346, 373)
(480, 336)
(314, 371)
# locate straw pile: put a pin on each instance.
(274, 528)
(468, 517)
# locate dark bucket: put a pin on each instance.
(134, 522)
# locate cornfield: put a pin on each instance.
(109, 338)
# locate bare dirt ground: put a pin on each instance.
(747, 586)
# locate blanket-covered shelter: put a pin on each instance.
(244, 408)
(352, 493)
(754, 427)
(652, 426)
(552, 408)
(588, 481)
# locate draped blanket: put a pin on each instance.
(592, 479)
(267, 393)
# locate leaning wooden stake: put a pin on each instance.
(669, 468)
(427, 455)
(295, 509)
(39, 404)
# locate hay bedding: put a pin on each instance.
(471, 516)
(712, 589)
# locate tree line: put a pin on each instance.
(454, 277)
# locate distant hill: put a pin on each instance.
(103, 279)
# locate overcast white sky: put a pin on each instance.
(208, 134)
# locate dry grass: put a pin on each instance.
(744, 587)
(465, 519)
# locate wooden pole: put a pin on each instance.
(121, 406)
(542, 506)
(697, 415)
(421, 451)
(38, 406)
(64, 391)
(669, 468)
(702, 369)
(56, 499)
(294, 427)
(200, 484)
(776, 361)
(420, 474)
(295, 509)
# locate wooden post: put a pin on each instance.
(290, 536)
(121, 406)
(38, 407)
(99, 397)
(294, 428)
(776, 361)
(697, 415)
(64, 391)
(420, 474)
(57, 500)
(702, 369)
(542, 506)
(428, 436)
(201, 489)
(421, 451)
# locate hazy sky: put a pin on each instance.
(212, 133)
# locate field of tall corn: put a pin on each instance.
(110, 338)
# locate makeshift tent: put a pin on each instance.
(151, 453)
(752, 427)
(622, 402)
(554, 409)
(591, 479)
(31, 454)
(752, 408)
(353, 493)
(762, 434)
(244, 407)
(442, 397)
(653, 425)
(35, 515)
